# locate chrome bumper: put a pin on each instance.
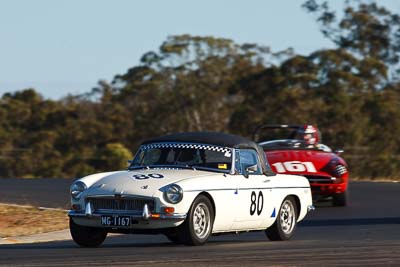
(145, 215)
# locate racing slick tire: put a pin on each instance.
(285, 223)
(86, 236)
(340, 200)
(197, 227)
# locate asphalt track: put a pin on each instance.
(367, 233)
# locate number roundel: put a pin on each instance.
(257, 203)
(147, 176)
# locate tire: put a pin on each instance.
(340, 200)
(87, 236)
(174, 238)
(285, 223)
(197, 227)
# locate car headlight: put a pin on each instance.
(76, 189)
(173, 193)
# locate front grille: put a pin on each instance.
(319, 179)
(126, 204)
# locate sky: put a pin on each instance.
(65, 47)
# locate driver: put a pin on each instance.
(309, 134)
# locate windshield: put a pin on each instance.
(293, 144)
(184, 155)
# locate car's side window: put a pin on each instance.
(247, 158)
(238, 167)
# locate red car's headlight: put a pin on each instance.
(339, 170)
(336, 170)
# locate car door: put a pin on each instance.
(253, 192)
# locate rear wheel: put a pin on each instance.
(86, 236)
(197, 227)
(285, 223)
(340, 200)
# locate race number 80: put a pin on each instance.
(148, 176)
(257, 203)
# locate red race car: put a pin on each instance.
(301, 153)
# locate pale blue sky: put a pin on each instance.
(61, 47)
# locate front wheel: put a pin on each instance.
(174, 238)
(197, 227)
(285, 223)
(86, 236)
(340, 200)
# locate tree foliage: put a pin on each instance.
(204, 83)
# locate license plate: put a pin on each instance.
(124, 221)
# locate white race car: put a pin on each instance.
(189, 186)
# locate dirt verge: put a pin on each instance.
(26, 220)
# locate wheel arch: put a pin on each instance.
(298, 204)
(207, 195)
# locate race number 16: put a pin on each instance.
(294, 166)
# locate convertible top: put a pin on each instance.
(218, 139)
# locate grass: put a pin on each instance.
(26, 220)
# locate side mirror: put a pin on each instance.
(338, 151)
(250, 169)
